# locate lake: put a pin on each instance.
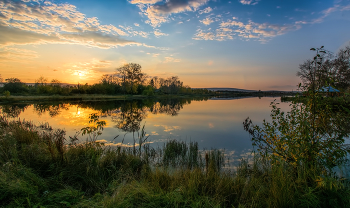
(212, 122)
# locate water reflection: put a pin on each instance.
(126, 115)
(212, 123)
(53, 110)
(13, 111)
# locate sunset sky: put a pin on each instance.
(250, 44)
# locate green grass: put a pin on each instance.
(39, 168)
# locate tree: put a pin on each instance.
(41, 81)
(55, 82)
(151, 83)
(1, 79)
(131, 76)
(325, 68)
(310, 134)
(14, 85)
(109, 79)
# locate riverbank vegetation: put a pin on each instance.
(300, 161)
(128, 80)
(39, 168)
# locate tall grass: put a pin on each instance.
(38, 167)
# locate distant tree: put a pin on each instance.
(156, 82)
(41, 81)
(109, 79)
(14, 85)
(55, 82)
(1, 78)
(131, 76)
(151, 82)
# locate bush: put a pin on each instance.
(7, 94)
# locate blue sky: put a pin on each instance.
(251, 44)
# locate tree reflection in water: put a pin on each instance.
(127, 115)
(53, 110)
(13, 111)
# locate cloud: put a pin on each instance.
(158, 33)
(249, 2)
(169, 128)
(42, 22)
(325, 13)
(171, 59)
(8, 54)
(201, 35)
(144, 1)
(158, 12)
(206, 10)
(177, 6)
(207, 21)
(15, 36)
(86, 70)
(232, 29)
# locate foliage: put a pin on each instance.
(37, 169)
(131, 76)
(149, 91)
(310, 133)
(298, 138)
(326, 68)
(14, 85)
(128, 79)
(7, 94)
(96, 129)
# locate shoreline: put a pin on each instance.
(98, 97)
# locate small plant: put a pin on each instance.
(95, 130)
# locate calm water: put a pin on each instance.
(212, 123)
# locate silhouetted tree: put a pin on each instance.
(131, 76)
(326, 69)
(14, 85)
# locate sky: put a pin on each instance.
(248, 44)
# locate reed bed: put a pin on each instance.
(40, 168)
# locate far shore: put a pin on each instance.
(99, 97)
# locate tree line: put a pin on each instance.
(128, 79)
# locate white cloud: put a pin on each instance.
(200, 35)
(206, 10)
(249, 2)
(158, 14)
(158, 33)
(42, 22)
(171, 59)
(325, 13)
(231, 29)
(207, 21)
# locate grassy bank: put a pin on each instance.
(39, 168)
